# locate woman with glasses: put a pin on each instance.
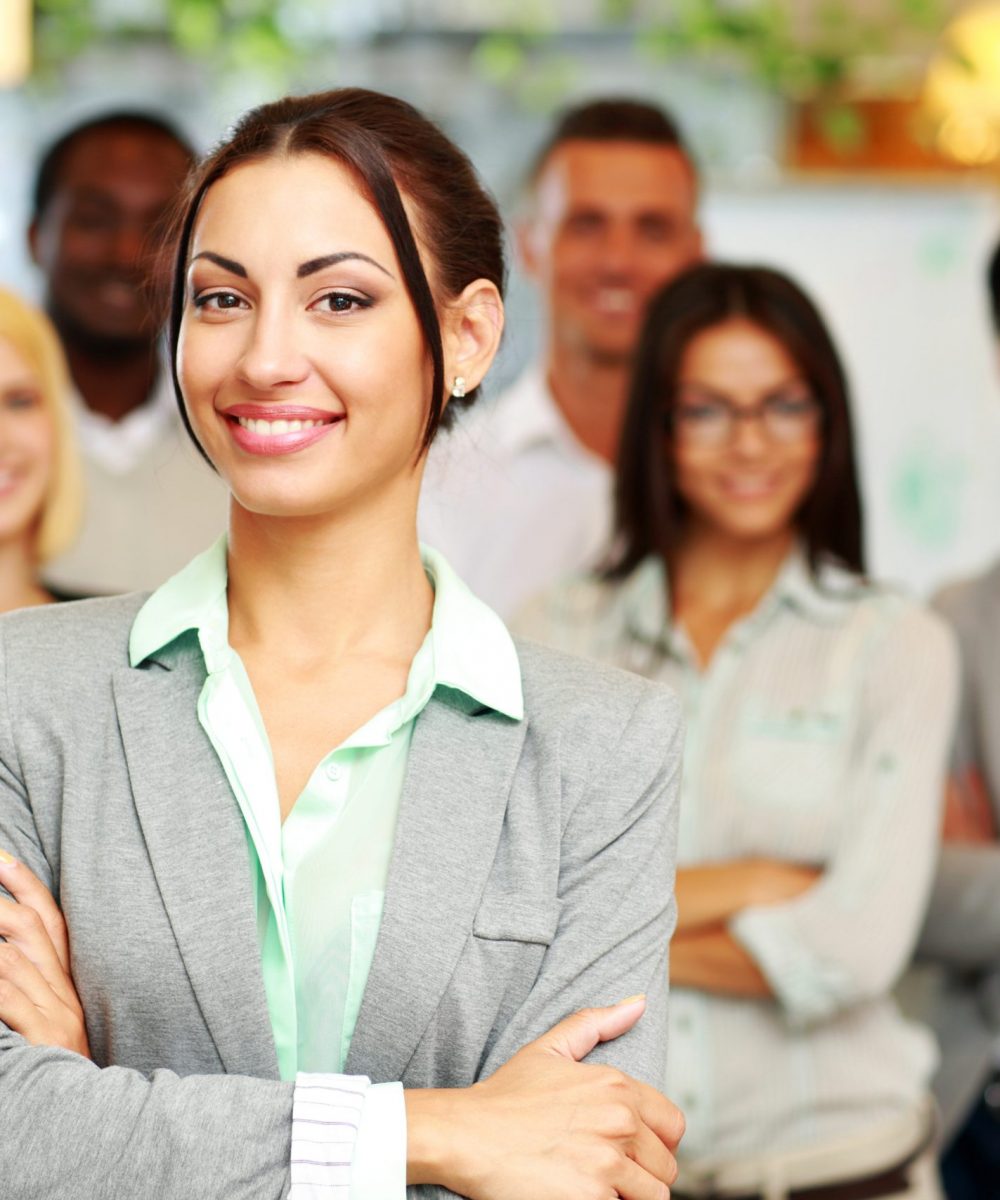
(818, 709)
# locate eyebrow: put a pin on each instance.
(227, 264)
(303, 269)
(712, 394)
(330, 260)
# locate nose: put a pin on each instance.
(272, 357)
(131, 245)
(749, 437)
(620, 249)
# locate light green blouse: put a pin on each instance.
(320, 878)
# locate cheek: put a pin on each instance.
(40, 440)
(570, 255)
(692, 472)
(80, 247)
(803, 468)
(201, 365)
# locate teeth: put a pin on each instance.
(616, 300)
(749, 487)
(274, 428)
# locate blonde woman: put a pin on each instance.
(40, 493)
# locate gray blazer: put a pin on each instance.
(532, 874)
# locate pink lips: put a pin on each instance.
(269, 444)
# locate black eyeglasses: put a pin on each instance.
(712, 422)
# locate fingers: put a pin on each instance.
(17, 1012)
(31, 892)
(635, 1183)
(23, 928)
(653, 1156)
(576, 1035)
(31, 1008)
(661, 1115)
(20, 972)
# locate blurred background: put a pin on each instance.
(855, 143)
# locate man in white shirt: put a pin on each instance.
(520, 493)
(102, 194)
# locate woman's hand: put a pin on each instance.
(548, 1126)
(37, 996)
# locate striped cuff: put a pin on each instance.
(326, 1116)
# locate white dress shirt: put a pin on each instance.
(513, 500)
(818, 734)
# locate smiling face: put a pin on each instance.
(27, 446)
(750, 484)
(614, 221)
(95, 240)
(302, 364)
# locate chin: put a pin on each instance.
(755, 529)
(282, 505)
(613, 350)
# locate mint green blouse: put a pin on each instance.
(319, 878)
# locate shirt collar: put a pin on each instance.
(818, 597)
(531, 417)
(471, 648)
(120, 446)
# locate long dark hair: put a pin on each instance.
(391, 148)
(649, 510)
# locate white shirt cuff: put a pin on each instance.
(327, 1115)
(379, 1171)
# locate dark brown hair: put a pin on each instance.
(612, 119)
(649, 509)
(391, 148)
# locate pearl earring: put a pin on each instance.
(458, 387)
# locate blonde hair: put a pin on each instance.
(31, 334)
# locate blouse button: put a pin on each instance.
(332, 772)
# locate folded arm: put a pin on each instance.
(847, 938)
(704, 954)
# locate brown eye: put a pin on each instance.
(218, 301)
(21, 398)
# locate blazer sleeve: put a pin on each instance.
(73, 1130)
(616, 893)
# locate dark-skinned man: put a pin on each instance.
(102, 198)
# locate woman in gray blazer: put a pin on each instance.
(264, 931)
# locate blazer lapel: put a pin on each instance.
(459, 775)
(196, 842)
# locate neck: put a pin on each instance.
(321, 588)
(113, 384)
(19, 586)
(591, 394)
(714, 570)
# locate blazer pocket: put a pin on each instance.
(507, 917)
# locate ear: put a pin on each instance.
(471, 327)
(526, 236)
(33, 241)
